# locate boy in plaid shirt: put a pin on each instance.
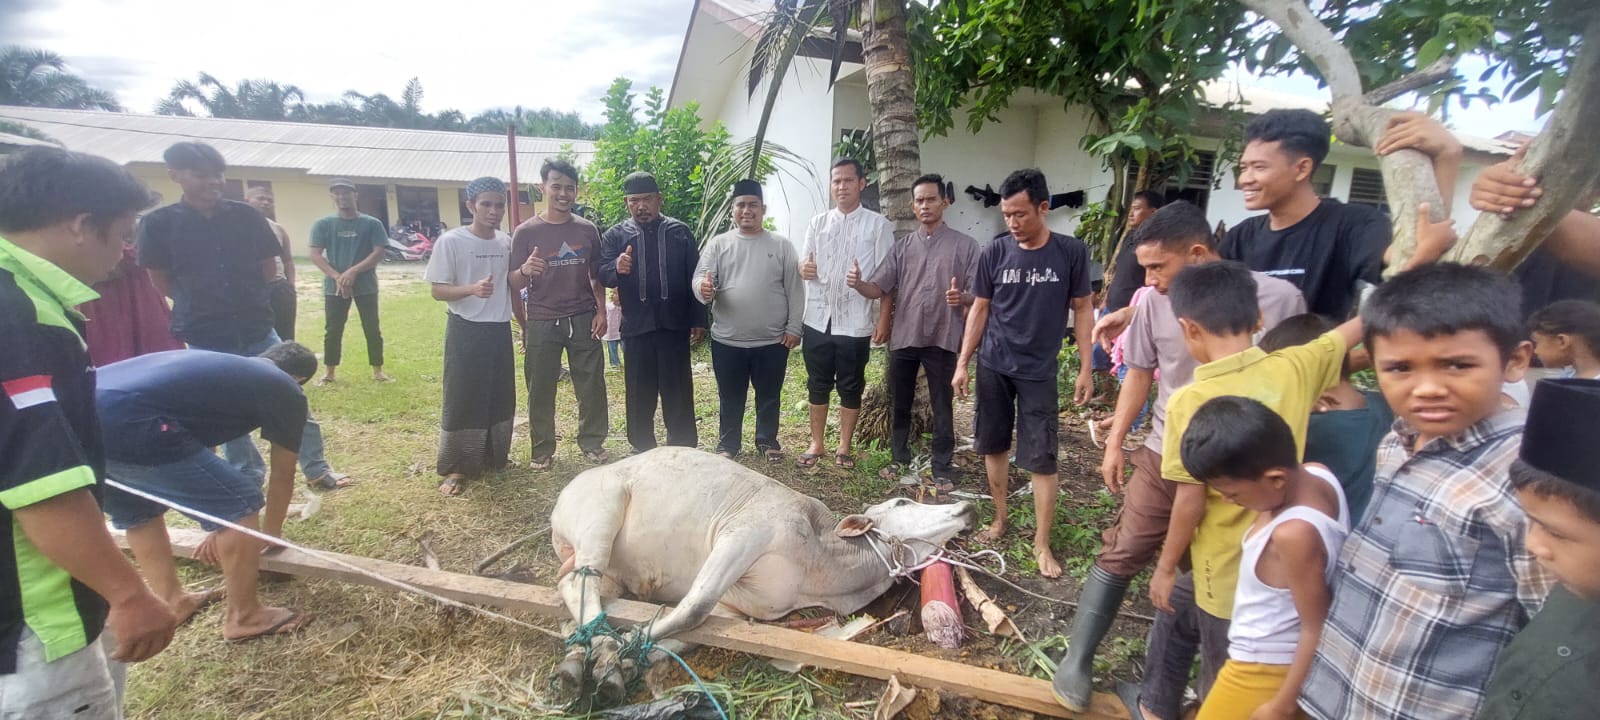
(1434, 581)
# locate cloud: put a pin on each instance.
(497, 53)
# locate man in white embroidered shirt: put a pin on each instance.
(839, 322)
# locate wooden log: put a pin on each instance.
(991, 686)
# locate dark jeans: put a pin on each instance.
(1175, 639)
(546, 340)
(940, 366)
(338, 313)
(281, 295)
(658, 366)
(737, 369)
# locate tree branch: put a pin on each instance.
(1441, 70)
(1564, 172)
(1316, 42)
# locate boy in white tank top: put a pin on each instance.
(1246, 452)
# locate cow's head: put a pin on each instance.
(910, 522)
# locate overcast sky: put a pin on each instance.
(470, 56)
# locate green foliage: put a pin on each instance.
(858, 145)
(1529, 44)
(544, 123)
(667, 142)
(1136, 66)
(39, 78)
(248, 99)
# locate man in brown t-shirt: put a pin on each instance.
(555, 256)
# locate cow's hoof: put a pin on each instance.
(610, 690)
(566, 683)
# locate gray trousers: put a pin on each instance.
(546, 340)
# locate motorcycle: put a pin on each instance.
(421, 248)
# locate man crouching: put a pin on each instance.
(161, 414)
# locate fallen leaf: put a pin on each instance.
(894, 699)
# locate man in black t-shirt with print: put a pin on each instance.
(1325, 247)
(1022, 289)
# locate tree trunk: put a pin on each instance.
(1359, 119)
(892, 93)
(1564, 175)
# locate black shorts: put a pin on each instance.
(1029, 405)
(835, 360)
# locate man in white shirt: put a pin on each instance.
(840, 326)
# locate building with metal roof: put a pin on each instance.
(402, 175)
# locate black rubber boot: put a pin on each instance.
(1097, 607)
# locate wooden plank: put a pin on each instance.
(992, 686)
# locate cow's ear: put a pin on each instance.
(853, 526)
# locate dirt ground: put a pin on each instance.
(379, 654)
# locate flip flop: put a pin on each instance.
(452, 486)
(541, 464)
(892, 471)
(212, 596)
(330, 481)
(845, 460)
(286, 626)
(774, 455)
(807, 460)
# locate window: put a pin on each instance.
(1195, 189)
(233, 190)
(418, 205)
(1366, 188)
(1322, 179)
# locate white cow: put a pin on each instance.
(678, 525)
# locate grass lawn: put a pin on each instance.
(379, 654)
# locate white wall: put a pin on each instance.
(1065, 164)
(801, 122)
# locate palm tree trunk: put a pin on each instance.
(891, 91)
(892, 94)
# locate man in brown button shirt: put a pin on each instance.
(928, 274)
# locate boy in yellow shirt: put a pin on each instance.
(1216, 307)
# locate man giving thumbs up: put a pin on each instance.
(927, 277)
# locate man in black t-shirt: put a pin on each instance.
(1022, 289)
(1325, 247)
(162, 413)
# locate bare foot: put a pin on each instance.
(263, 623)
(378, 376)
(1048, 566)
(189, 604)
(990, 533)
(327, 380)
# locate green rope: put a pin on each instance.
(637, 647)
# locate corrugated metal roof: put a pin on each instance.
(10, 139)
(326, 150)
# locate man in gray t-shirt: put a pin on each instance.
(750, 280)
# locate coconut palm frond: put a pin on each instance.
(724, 169)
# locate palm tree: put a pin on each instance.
(891, 87)
(248, 99)
(38, 78)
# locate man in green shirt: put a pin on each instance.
(346, 246)
(65, 217)
(1548, 670)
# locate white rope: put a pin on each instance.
(326, 557)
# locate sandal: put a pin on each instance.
(726, 453)
(845, 460)
(287, 626)
(773, 455)
(597, 457)
(541, 464)
(453, 486)
(891, 472)
(330, 481)
(807, 460)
